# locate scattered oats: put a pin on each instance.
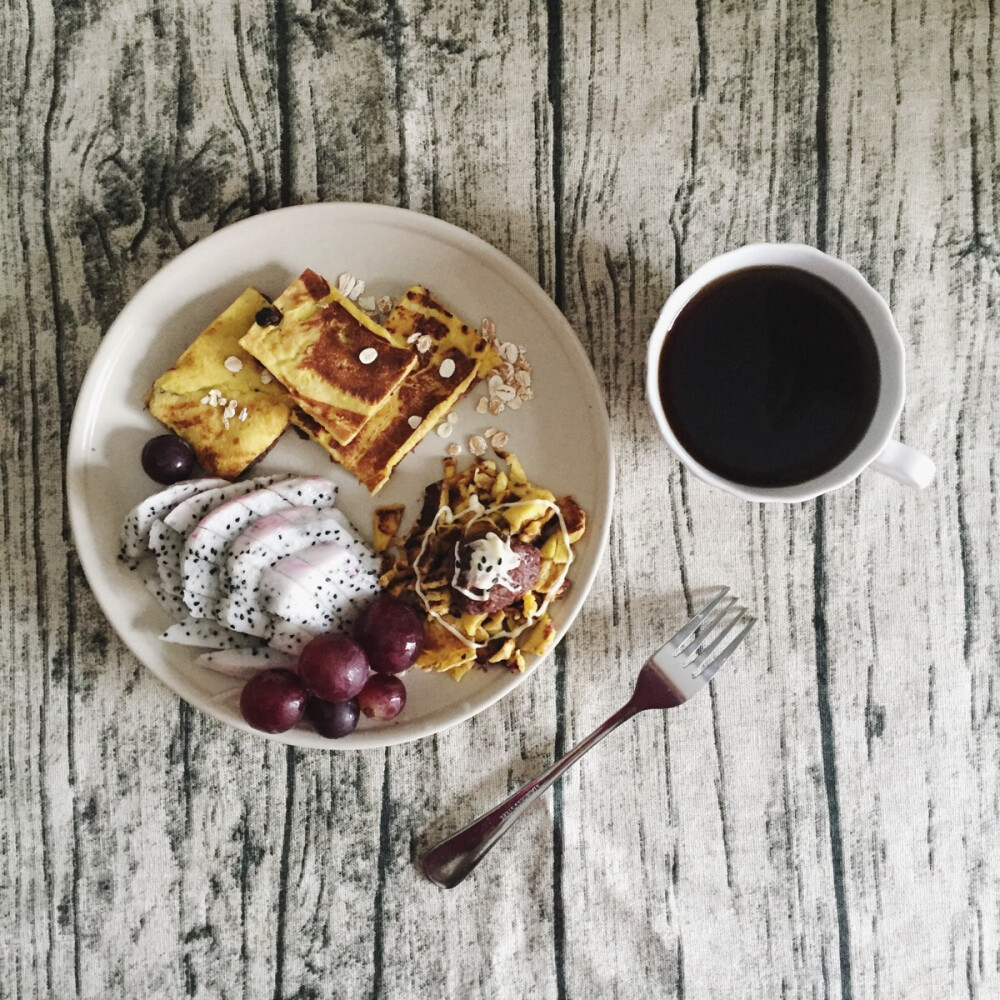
(521, 351)
(452, 418)
(490, 431)
(233, 364)
(454, 450)
(384, 305)
(488, 329)
(350, 287)
(483, 405)
(367, 302)
(424, 343)
(509, 383)
(499, 440)
(477, 446)
(414, 422)
(447, 368)
(266, 377)
(528, 394)
(444, 430)
(368, 355)
(244, 413)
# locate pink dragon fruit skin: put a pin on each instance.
(210, 539)
(186, 515)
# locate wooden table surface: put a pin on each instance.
(824, 824)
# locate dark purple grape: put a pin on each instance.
(333, 719)
(273, 701)
(333, 667)
(392, 634)
(167, 459)
(382, 697)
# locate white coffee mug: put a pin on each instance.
(876, 449)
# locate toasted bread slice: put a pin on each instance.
(215, 398)
(338, 364)
(456, 356)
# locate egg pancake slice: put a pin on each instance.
(451, 357)
(337, 363)
(219, 399)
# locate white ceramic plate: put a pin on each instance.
(562, 436)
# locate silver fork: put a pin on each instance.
(674, 673)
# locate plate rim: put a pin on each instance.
(100, 368)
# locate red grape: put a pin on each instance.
(333, 667)
(273, 701)
(382, 697)
(392, 634)
(167, 459)
(333, 719)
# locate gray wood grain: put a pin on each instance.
(823, 824)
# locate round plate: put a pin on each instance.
(562, 435)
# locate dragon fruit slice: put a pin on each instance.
(208, 543)
(135, 528)
(265, 542)
(306, 491)
(172, 603)
(186, 515)
(198, 584)
(206, 634)
(289, 638)
(169, 547)
(193, 584)
(321, 587)
(244, 663)
(210, 538)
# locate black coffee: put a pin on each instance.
(769, 377)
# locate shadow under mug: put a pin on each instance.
(876, 449)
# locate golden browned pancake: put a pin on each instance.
(454, 356)
(338, 364)
(214, 397)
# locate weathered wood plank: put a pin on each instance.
(719, 857)
(908, 684)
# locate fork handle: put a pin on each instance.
(454, 858)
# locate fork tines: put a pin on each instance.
(698, 642)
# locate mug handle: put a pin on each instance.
(904, 464)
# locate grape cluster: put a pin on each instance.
(338, 677)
